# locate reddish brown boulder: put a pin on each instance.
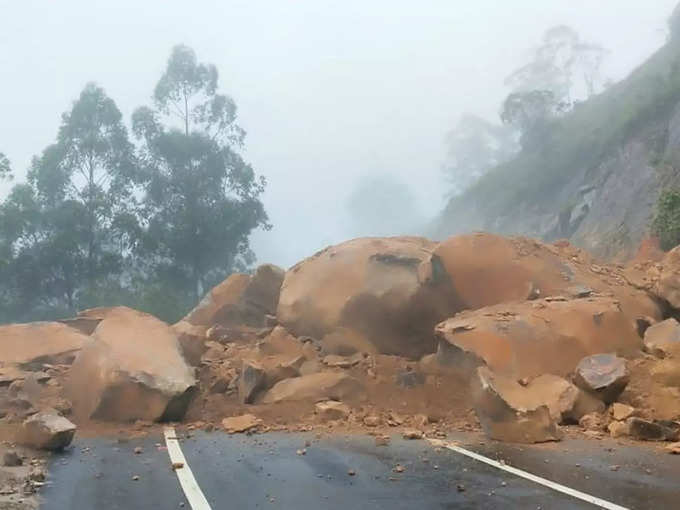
(379, 293)
(488, 269)
(602, 375)
(252, 380)
(662, 338)
(332, 410)
(132, 369)
(315, 387)
(36, 343)
(520, 339)
(241, 299)
(239, 424)
(509, 412)
(192, 341)
(47, 431)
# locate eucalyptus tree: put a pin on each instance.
(201, 198)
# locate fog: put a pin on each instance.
(332, 94)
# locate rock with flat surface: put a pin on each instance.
(602, 375)
(488, 269)
(508, 412)
(662, 338)
(132, 369)
(241, 299)
(566, 402)
(621, 412)
(239, 424)
(47, 431)
(521, 339)
(618, 429)
(36, 343)
(252, 380)
(315, 387)
(192, 341)
(337, 361)
(667, 284)
(369, 294)
(653, 430)
(332, 410)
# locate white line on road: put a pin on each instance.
(189, 485)
(537, 479)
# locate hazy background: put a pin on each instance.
(334, 95)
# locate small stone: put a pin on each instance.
(615, 467)
(135, 478)
(460, 487)
(412, 434)
(618, 429)
(673, 448)
(138, 450)
(621, 412)
(351, 472)
(398, 468)
(302, 452)
(382, 440)
(177, 465)
(372, 420)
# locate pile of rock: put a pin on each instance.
(543, 335)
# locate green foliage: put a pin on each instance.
(5, 168)
(666, 222)
(102, 223)
(201, 198)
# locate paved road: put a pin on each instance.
(264, 471)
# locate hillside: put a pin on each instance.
(598, 176)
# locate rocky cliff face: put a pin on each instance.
(602, 192)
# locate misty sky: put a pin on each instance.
(328, 91)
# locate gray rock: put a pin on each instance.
(655, 430)
(602, 375)
(253, 379)
(48, 431)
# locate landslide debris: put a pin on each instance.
(386, 335)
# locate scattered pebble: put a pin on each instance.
(351, 472)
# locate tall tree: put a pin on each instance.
(475, 146)
(201, 198)
(563, 64)
(70, 226)
(5, 168)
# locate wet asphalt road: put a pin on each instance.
(264, 471)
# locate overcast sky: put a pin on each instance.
(328, 91)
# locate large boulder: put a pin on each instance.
(509, 412)
(667, 283)
(602, 375)
(241, 299)
(133, 369)
(662, 338)
(47, 431)
(376, 294)
(36, 343)
(192, 341)
(566, 402)
(520, 339)
(488, 269)
(314, 388)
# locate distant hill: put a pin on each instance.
(598, 176)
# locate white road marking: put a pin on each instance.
(537, 479)
(189, 485)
